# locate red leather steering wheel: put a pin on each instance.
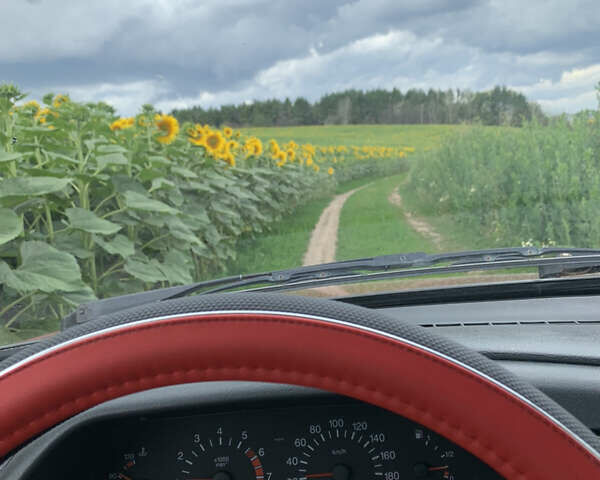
(356, 352)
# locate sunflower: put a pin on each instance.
(199, 142)
(316, 168)
(198, 139)
(291, 154)
(330, 171)
(168, 126)
(214, 142)
(232, 146)
(291, 145)
(142, 121)
(273, 147)
(59, 100)
(229, 159)
(253, 146)
(196, 135)
(309, 161)
(32, 104)
(228, 132)
(309, 149)
(122, 123)
(41, 115)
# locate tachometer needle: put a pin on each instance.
(435, 469)
(319, 475)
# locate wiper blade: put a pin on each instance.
(402, 264)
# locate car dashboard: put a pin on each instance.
(259, 431)
(250, 431)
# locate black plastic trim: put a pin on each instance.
(479, 293)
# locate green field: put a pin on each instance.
(492, 187)
(417, 136)
(285, 244)
(370, 225)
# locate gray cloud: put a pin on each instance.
(181, 52)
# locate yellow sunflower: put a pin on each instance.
(253, 146)
(32, 104)
(232, 146)
(229, 159)
(273, 147)
(198, 139)
(227, 131)
(330, 171)
(168, 126)
(41, 115)
(214, 142)
(59, 100)
(291, 145)
(316, 168)
(122, 123)
(291, 154)
(309, 161)
(309, 149)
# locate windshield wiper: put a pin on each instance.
(551, 261)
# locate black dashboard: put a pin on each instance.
(302, 435)
(257, 431)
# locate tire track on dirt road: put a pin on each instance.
(417, 224)
(323, 239)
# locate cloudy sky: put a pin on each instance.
(178, 53)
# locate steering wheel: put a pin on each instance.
(349, 350)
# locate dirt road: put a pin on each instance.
(323, 240)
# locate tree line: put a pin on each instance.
(499, 106)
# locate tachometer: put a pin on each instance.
(221, 457)
(341, 451)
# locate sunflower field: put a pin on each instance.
(93, 206)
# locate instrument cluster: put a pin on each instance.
(329, 442)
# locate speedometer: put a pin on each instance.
(341, 450)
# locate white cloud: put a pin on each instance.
(127, 97)
(377, 61)
(231, 51)
(574, 91)
(570, 104)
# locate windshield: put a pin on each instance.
(155, 144)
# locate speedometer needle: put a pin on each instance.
(319, 475)
(435, 469)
